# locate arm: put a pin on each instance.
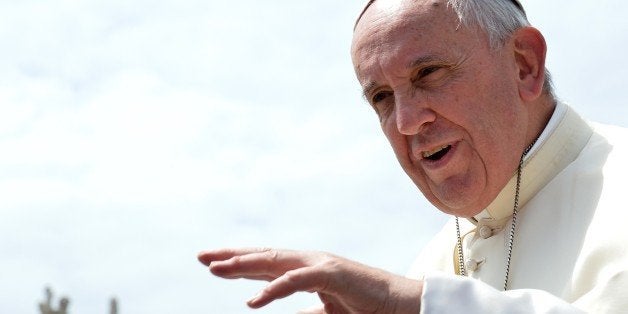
(343, 286)
(456, 294)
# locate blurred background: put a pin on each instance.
(134, 134)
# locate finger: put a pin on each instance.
(335, 308)
(332, 304)
(209, 256)
(302, 279)
(268, 264)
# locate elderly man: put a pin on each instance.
(462, 95)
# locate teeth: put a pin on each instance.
(430, 153)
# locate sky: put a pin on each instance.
(134, 134)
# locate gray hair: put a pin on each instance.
(499, 19)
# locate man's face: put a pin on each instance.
(447, 102)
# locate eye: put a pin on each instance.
(432, 76)
(383, 103)
(380, 96)
(427, 71)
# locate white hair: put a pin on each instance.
(498, 18)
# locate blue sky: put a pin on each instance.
(134, 134)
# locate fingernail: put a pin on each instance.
(253, 300)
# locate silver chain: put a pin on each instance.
(511, 238)
(461, 268)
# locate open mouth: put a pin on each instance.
(437, 154)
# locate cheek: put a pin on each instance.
(399, 144)
(397, 140)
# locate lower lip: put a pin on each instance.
(437, 164)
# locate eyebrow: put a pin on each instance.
(423, 60)
(368, 89)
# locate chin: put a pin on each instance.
(463, 213)
(460, 196)
(458, 207)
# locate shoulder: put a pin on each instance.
(606, 154)
(614, 135)
(612, 141)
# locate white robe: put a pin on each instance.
(570, 252)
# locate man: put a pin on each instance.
(463, 97)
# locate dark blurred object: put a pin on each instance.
(46, 307)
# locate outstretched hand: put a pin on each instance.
(343, 286)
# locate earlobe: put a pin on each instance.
(529, 49)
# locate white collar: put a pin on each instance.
(559, 144)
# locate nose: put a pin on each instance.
(412, 114)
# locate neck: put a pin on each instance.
(558, 144)
(540, 113)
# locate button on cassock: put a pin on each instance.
(486, 232)
(472, 265)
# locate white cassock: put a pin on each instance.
(570, 251)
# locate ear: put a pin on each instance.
(529, 48)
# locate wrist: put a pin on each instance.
(408, 296)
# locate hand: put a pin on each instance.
(343, 286)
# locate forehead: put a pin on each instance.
(399, 28)
(389, 9)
